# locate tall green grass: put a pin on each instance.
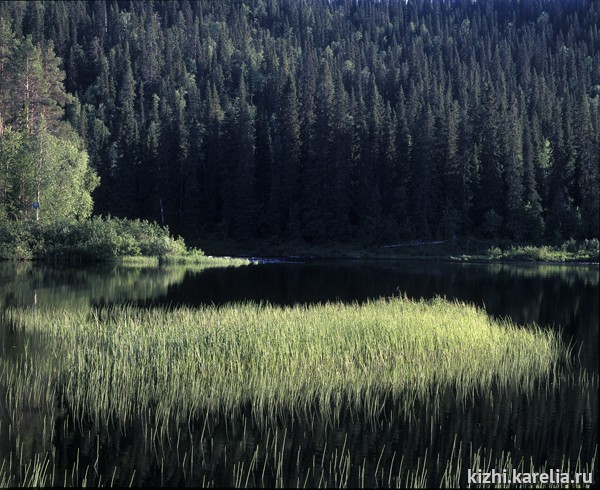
(123, 361)
(173, 372)
(269, 468)
(186, 259)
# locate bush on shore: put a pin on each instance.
(94, 239)
(569, 251)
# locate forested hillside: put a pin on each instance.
(315, 119)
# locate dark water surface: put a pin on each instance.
(561, 423)
(561, 296)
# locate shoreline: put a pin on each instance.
(459, 251)
(464, 250)
(271, 259)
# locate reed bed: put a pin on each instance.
(334, 468)
(168, 364)
(191, 259)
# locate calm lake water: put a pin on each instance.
(560, 423)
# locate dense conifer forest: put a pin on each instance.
(307, 119)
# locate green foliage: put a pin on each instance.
(91, 239)
(492, 222)
(532, 225)
(314, 120)
(449, 223)
(42, 160)
(16, 241)
(196, 257)
(569, 251)
(112, 237)
(66, 180)
(587, 247)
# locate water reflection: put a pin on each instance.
(378, 452)
(554, 424)
(562, 296)
(32, 284)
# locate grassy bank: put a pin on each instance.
(124, 361)
(461, 250)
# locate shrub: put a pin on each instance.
(16, 241)
(591, 247)
(94, 239)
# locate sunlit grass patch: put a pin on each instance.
(175, 362)
(187, 259)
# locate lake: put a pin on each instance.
(391, 450)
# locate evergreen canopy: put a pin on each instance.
(329, 119)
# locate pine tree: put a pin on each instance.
(588, 162)
(318, 170)
(423, 174)
(212, 157)
(491, 193)
(237, 191)
(150, 165)
(379, 120)
(514, 173)
(284, 211)
(533, 220)
(124, 177)
(402, 171)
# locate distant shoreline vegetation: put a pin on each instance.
(140, 242)
(131, 242)
(459, 250)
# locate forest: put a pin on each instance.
(305, 120)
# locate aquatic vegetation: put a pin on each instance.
(176, 362)
(275, 463)
(190, 258)
(216, 395)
